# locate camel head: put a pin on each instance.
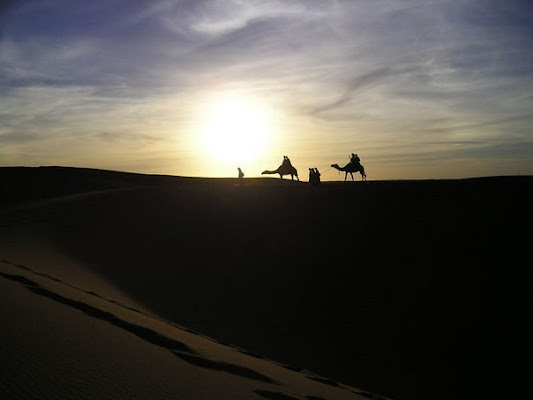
(336, 166)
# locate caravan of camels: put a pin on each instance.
(286, 168)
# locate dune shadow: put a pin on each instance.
(324, 381)
(274, 395)
(224, 366)
(19, 279)
(248, 353)
(369, 395)
(89, 292)
(177, 348)
(290, 367)
(141, 332)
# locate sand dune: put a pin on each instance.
(61, 341)
(383, 286)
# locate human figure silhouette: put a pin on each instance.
(241, 177)
(317, 175)
(354, 159)
(314, 176)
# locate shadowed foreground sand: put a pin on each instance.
(61, 341)
(409, 289)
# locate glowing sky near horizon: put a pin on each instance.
(418, 88)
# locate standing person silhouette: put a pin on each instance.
(314, 176)
(317, 175)
(241, 177)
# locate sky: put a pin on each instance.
(417, 88)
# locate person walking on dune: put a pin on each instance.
(241, 177)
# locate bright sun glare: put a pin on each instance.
(234, 128)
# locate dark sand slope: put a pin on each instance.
(412, 289)
(60, 342)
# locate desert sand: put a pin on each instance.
(118, 285)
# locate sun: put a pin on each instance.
(234, 128)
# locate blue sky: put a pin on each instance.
(419, 89)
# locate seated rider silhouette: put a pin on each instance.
(354, 159)
(286, 161)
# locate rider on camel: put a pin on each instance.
(286, 161)
(354, 159)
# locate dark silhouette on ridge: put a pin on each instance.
(285, 168)
(241, 177)
(314, 176)
(353, 166)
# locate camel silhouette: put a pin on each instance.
(284, 169)
(351, 168)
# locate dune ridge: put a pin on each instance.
(149, 330)
(382, 285)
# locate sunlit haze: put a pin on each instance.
(233, 129)
(417, 88)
